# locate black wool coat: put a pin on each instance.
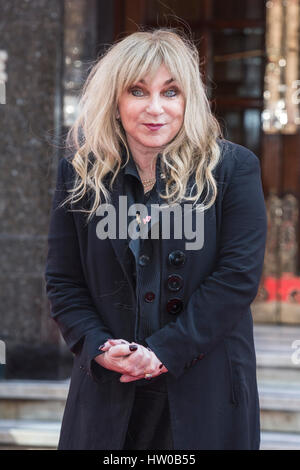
(206, 335)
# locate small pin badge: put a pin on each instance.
(147, 219)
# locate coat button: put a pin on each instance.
(144, 260)
(149, 297)
(174, 306)
(177, 258)
(201, 356)
(194, 360)
(174, 282)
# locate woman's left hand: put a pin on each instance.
(154, 367)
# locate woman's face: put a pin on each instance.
(152, 111)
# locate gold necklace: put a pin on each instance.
(150, 180)
(149, 184)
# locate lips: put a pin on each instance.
(154, 127)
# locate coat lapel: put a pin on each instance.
(120, 243)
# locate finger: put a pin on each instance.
(117, 341)
(129, 378)
(111, 342)
(120, 350)
(104, 347)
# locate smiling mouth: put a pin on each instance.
(153, 127)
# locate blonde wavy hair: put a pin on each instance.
(96, 130)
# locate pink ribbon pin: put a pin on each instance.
(147, 219)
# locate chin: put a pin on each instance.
(154, 142)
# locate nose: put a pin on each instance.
(154, 105)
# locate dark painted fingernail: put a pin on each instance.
(161, 365)
(133, 347)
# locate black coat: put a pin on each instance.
(207, 347)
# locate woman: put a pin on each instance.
(160, 327)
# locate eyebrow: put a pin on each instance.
(166, 82)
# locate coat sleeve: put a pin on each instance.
(71, 305)
(223, 297)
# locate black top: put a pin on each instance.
(143, 254)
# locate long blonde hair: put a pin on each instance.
(96, 131)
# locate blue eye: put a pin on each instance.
(136, 90)
(172, 91)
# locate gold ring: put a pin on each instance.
(147, 375)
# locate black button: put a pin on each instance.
(174, 282)
(174, 306)
(144, 260)
(194, 360)
(149, 297)
(177, 258)
(201, 356)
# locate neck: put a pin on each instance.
(146, 166)
(145, 161)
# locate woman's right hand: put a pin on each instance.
(115, 359)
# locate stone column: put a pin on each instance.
(31, 32)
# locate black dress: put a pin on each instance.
(149, 425)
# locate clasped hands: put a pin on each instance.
(132, 360)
